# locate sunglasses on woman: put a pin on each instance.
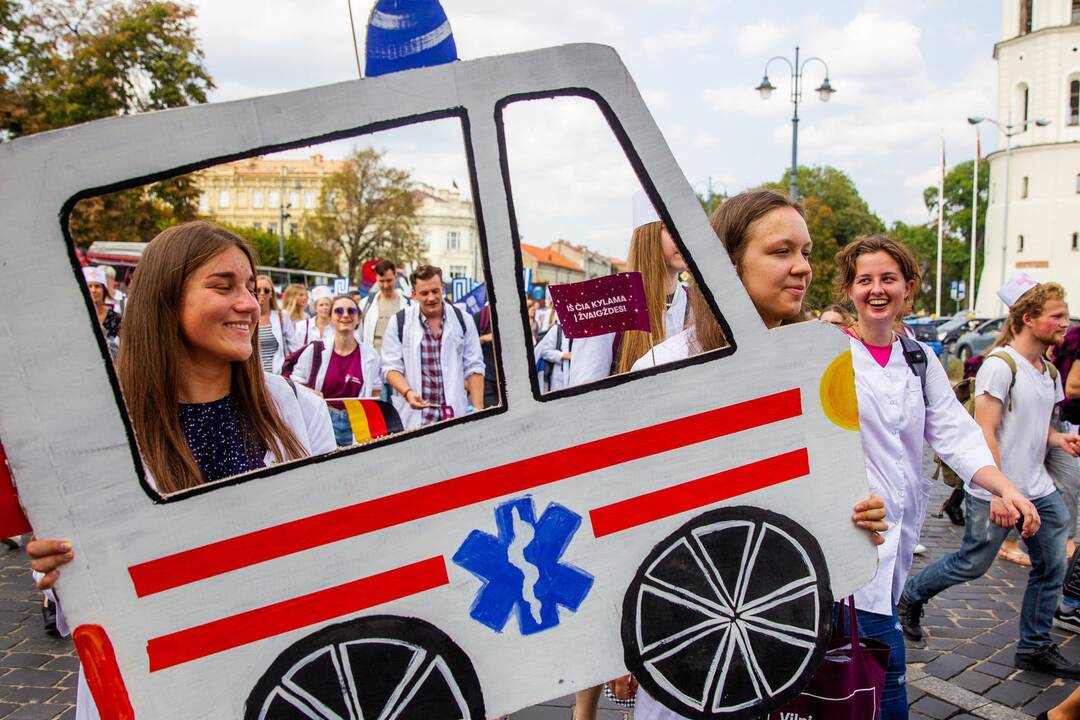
(343, 310)
(265, 291)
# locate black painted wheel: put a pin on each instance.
(729, 616)
(372, 668)
(964, 353)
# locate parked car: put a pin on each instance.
(975, 342)
(979, 340)
(926, 330)
(950, 331)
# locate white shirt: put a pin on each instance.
(894, 420)
(552, 352)
(460, 355)
(676, 347)
(1022, 434)
(307, 331)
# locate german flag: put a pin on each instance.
(372, 419)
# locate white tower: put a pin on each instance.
(1038, 63)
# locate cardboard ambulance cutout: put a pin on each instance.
(690, 523)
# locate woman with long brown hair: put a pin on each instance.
(654, 254)
(197, 398)
(294, 301)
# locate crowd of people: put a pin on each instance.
(213, 392)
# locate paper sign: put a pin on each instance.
(341, 286)
(602, 305)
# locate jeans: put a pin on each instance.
(886, 628)
(1064, 469)
(982, 539)
(342, 429)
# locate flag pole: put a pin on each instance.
(974, 222)
(941, 226)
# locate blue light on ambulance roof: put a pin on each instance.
(407, 34)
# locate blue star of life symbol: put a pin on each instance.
(521, 567)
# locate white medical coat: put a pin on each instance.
(460, 354)
(370, 314)
(894, 422)
(370, 362)
(553, 353)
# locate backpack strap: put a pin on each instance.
(915, 357)
(460, 318)
(1012, 368)
(401, 325)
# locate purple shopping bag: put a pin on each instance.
(848, 683)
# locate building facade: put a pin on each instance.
(592, 263)
(1038, 61)
(448, 226)
(249, 193)
(549, 267)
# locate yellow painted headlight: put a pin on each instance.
(838, 398)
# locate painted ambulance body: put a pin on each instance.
(184, 604)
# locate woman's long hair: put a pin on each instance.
(151, 344)
(731, 222)
(290, 300)
(647, 258)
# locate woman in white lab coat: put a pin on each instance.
(198, 399)
(346, 367)
(275, 336)
(878, 275)
(554, 348)
(319, 326)
(766, 237)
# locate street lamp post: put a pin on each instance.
(1009, 130)
(824, 91)
(283, 215)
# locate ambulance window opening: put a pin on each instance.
(457, 113)
(646, 184)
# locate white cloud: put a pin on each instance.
(705, 140)
(678, 40)
(659, 101)
(763, 36)
(742, 99)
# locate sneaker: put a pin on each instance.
(48, 617)
(1067, 618)
(1048, 660)
(920, 549)
(910, 617)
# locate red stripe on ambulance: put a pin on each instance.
(332, 526)
(698, 493)
(230, 632)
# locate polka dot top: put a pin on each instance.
(219, 437)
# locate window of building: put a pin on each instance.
(257, 226)
(258, 200)
(294, 198)
(271, 228)
(1024, 187)
(1078, 183)
(1019, 243)
(292, 228)
(453, 240)
(275, 199)
(1076, 12)
(223, 199)
(458, 271)
(309, 199)
(204, 199)
(1026, 106)
(1025, 16)
(1074, 102)
(1076, 242)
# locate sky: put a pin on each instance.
(904, 72)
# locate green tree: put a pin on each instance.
(956, 256)
(64, 62)
(367, 210)
(300, 252)
(835, 215)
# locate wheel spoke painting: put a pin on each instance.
(727, 615)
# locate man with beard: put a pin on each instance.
(1015, 393)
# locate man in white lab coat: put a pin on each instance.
(431, 354)
(380, 306)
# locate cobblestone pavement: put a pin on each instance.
(963, 670)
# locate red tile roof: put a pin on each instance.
(548, 257)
